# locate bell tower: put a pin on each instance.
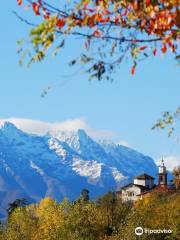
(162, 175)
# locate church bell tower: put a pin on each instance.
(162, 175)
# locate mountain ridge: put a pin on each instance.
(60, 164)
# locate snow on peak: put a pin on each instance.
(6, 125)
(118, 176)
(90, 169)
(55, 145)
(75, 139)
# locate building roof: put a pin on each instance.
(144, 176)
(147, 191)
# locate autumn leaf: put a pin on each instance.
(97, 33)
(46, 14)
(143, 48)
(60, 23)
(36, 8)
(133, 68)
(19, 2)
(155, 51)
(111, 21)
(135, 4)
(164, 48)
(148, 2)
(125, 12)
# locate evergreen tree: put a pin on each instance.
(16, 204)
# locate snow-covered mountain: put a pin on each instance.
(60, 164)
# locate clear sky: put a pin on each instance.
(127, 107)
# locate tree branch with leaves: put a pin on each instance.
(169, 121)
(112, 29)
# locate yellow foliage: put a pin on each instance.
(105, 219)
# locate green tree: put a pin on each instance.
(16, 204)
(114, 212)
(85, 195)
(92, 220)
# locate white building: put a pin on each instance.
(142, 183)
(144, 180)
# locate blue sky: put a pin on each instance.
(127, 107)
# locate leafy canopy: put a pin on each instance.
(105, 219)
(111, 29)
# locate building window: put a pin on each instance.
(130, 194)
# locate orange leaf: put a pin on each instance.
(19, 2)
(124, 13)
(97, 33)
(148, 2)
(133, 69)
(36, 8)
(60, 23)
(135, 4)
(164, 48)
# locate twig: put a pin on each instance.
(23, 19)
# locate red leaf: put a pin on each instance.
(91, 10)
(97, 33)
(36, 8)
(124, 13)
(155, 51)
(116, 20)
(19, 2)
(133, 69)
(60, 23)
(148, 2)
(143, 48)
(164, 48)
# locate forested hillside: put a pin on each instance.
(107, 218)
